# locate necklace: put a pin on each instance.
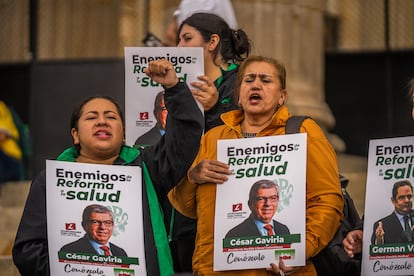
(248, 134)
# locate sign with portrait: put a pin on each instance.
(95, 222)
(145, 113)
(260, 210)
(388, 240)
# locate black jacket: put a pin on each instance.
(149, 138)
(248, 228)
(167, 162)
(226, 88)
(83, 245)
(393, 231)
(186, 228)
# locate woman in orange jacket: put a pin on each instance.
(261, 95)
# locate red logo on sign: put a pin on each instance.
(143, 115)
(237, 207)
(70, 226)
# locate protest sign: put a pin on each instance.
(390, 163)
(72, 190)
(241, 210)
(141, 91)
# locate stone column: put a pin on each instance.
(292, 31)
(14, 32)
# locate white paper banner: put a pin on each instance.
(281, 159)
(140, 90)
(71, 187)
(389, 160)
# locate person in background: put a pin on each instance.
(224, 48)
(186, 8)
(160, 113)
(263, 203)
(98, 223)
(11, 165)
(261, 94)
(97, 128)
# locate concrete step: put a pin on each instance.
(9, 222)
(14, 193)
(10, 218)
(7, 267)
(12, 199)
(6, 242)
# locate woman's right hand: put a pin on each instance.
(162, 71)
(282, 269)
(209, 171)
(205, 93)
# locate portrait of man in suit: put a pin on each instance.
(98, 223)
(398, 226)
(263, 202)
(154, 134)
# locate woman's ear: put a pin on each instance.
(75, 136)
(283, 97)
(214, 41)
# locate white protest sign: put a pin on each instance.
(280, 159)
(390, 161)
(141, 91)
(70, 188)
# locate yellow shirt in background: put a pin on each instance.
(10, 145)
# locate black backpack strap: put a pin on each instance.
(293, 124)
